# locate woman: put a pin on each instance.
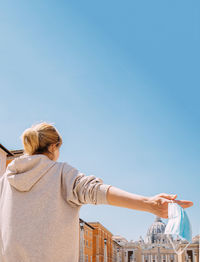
(41, 198)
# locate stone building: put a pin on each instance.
(156, 247)
(117, 252)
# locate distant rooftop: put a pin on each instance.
(9, 153)
(15, 153)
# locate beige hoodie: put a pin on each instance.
(40, 201)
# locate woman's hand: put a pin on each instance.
(158, 204)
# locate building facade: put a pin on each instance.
(156, 247)
(117, 255)
(102, 243)
(86, 241)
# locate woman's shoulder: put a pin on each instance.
(66, 166)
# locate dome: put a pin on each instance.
(156, 231)
(157, 227)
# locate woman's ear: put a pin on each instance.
(52, 148)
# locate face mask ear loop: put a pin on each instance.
(185, 248)
(180, 252)
(172, 244)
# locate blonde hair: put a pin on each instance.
(39, 137)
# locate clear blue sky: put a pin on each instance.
(120, 80)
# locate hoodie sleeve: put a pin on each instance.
(79, 189)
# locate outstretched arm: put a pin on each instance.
(79, 189)
(157, 205)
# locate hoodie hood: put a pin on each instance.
(25, 171)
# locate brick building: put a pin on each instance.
(86, 241)
(102, 243)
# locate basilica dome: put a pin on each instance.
(155, 233)
(158, 226)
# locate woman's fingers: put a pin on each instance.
(167, 196)
(184, 203)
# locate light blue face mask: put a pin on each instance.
(178, 225)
